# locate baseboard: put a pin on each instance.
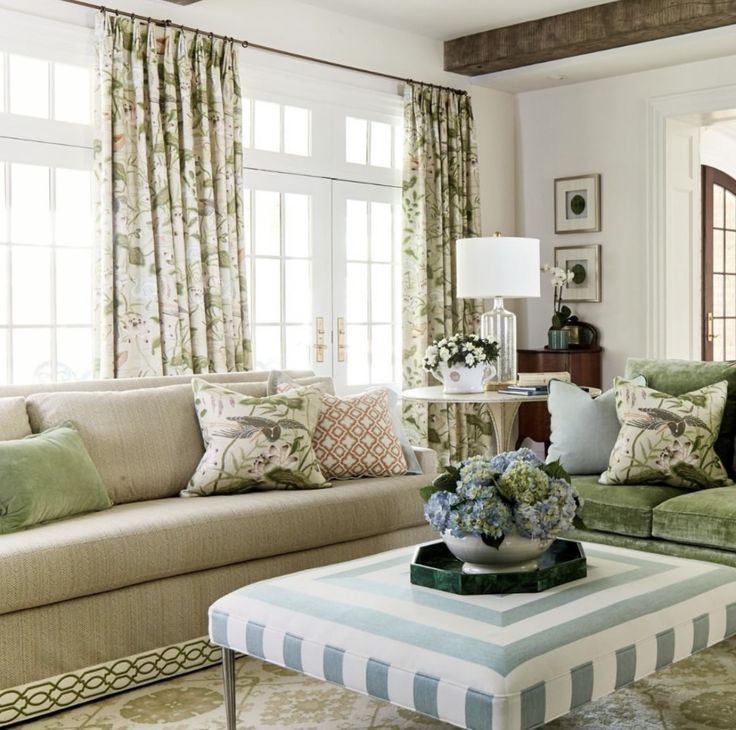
(29, 701)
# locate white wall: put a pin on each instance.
(300, 28)
(599, 127)
(718, 150)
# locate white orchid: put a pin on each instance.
(560, 279)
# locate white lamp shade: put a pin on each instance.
(498, 266)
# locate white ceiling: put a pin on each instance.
(445, 19)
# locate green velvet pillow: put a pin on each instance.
(683, 376)
(45, 477)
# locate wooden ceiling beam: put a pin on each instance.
(587, 30)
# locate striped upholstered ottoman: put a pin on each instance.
(508, 662)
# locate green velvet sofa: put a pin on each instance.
(660, 518)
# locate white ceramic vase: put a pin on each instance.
(514, 554)
(460, 378)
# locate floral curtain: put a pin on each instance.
(441, 203)
(171, 286)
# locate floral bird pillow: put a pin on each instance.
(667, 439)
(255, 443)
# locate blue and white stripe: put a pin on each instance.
(483, 662)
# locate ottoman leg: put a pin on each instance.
(228, 675)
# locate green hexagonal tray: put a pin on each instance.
(434, 566)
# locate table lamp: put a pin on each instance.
(497, 267)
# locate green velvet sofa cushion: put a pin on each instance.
(682, 376)
(620, 508)
(706, 517)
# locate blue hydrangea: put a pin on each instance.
(486, 504)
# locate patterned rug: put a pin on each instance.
(698, 693)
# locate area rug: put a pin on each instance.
(698, 693)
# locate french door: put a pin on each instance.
(719, 265)
(323, 269)
(366, 285)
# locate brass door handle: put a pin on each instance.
(319, 340)
(709, 328)
(341, 346)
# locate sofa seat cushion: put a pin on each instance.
(144, 541)
(705, 518)
(625, 509)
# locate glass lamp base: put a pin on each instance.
(500, 325)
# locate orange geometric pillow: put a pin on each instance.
(355, 437)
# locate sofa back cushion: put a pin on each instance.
(677, 377)
(13, 419)
(145, 443)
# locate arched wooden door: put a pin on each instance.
(719, 265)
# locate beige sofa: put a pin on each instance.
(106, 601)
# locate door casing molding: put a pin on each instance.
(695, 107)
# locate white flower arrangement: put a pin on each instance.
(468, 350)
(560, 279)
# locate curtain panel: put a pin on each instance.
(441, 203)
(170, 280)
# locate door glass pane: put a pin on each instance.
(298, 347)
(267, 347)
(381, 291)
(730, 252)
(718, 210)
(356, 288)
(267, 126)
(2, 106)
(30, 217)
(356, 230)
(380, 144)
(730, 210)
(357, 354)
(718, 251)
(72, 94)
(73, 353)
(298, 283)
(29, 86)
(73, 216)
(381, 231)
(296, 130)
(31, 285)
(296, 224)
(718, 294)
(74, 286)
(730, 344)
(267, 290)
(267, 223)
(356, 140)
(32, 355)
(382, 354)
(718, 344)
(730, 296)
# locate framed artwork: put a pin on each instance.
(585, 264)
(578, 204)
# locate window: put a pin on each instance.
(46, 226)
(323, 196)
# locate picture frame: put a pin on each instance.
(578, 204)
(585, 263)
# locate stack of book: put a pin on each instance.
(534, 383)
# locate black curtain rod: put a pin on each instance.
(258, 46)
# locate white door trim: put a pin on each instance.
(694, 107)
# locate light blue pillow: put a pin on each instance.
(583, 429)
